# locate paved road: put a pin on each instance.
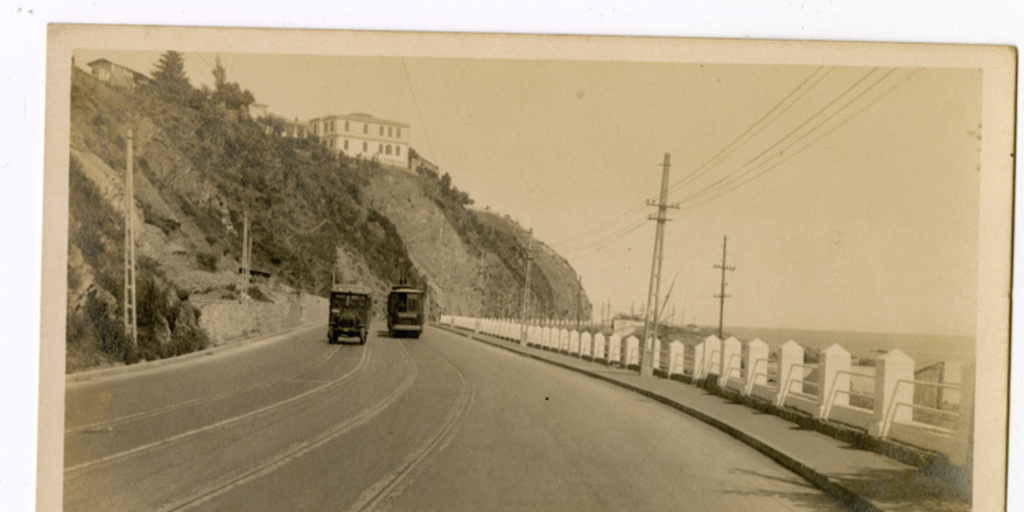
(439, 423)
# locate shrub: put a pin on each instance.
(207, 261)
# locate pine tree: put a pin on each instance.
(169, 74)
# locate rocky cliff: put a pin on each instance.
(202, 166)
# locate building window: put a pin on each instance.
(388, 152)
(381, 131)
(380, 148)
(330, 143)
(364, 148)
(346, 126)
(389, 132)
(346, 144)
(366, 128)
(398, 133)
(398, 150)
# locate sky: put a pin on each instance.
(25, 27)
(860, 218)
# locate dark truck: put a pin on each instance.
(351, 309)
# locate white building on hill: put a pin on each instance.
(363, 135)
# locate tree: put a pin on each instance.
(229, 93)
(169, 74)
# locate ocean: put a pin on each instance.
(923, 348)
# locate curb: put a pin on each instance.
(103, 373)
(845, 496)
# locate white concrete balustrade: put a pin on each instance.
(881, 403)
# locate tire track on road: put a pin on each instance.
(106, 424)
(68, 471)
(281, 459)
(401, 476)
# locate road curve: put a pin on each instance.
(439, 423)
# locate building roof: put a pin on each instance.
(351, 288)
(99, 62)
(361, 117)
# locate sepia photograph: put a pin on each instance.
(316, 270)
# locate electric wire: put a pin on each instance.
(723, 153)
(783, 139)
(710, 195)
(736, 143)
(412, 92)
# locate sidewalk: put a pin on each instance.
(861, 480)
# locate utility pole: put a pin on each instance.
(130, 316)
(579, 302)
(722, 296)
(654, 289)
(524, 312)
(246, 248)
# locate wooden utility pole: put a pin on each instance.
(722, 296)
(246, 249)
(654, 289)
(130, 317)
(579, 302)
(524, 312)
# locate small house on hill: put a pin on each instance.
(117, 75)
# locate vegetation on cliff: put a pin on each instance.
(203, 165)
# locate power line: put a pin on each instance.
(612, 238)
(709, 195)
(412, 92)
(784, 138)
(735, 144)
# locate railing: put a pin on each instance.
(882, 404)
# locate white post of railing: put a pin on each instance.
(757, 365)
(657, 353)
(835, 380)
(890, 369)
(476, 326)
(963, 442)
(574, 342)
(614, 348)
(791, 354)
(698, 361)
(563, 341)
(676, 358)
(632, 351)
(600, 347)
(587, 345)
(731, 350)
(712, 354)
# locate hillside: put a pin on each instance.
(202, 165)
